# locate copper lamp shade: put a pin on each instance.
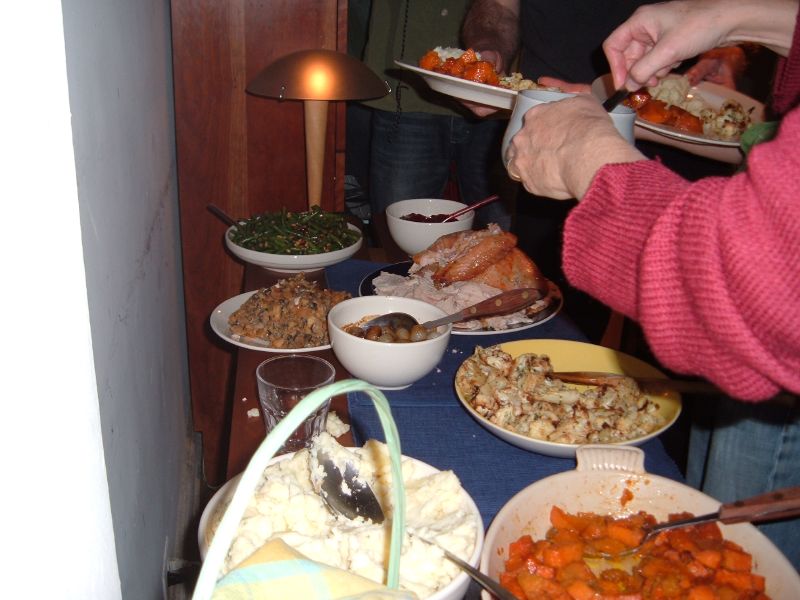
(317, 76)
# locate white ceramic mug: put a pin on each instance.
(622, 116)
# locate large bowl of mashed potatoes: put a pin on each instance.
(287, 506)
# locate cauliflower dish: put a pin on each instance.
(519, 394)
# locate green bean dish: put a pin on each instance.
(314, 231)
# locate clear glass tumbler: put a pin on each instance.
(285, 380)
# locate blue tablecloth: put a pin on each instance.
(436, 429)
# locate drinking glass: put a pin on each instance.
(283, 381)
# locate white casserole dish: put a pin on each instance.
(596, 485)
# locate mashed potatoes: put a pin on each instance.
(286, 506)
(676, 91)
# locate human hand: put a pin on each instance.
(657, 37)
(482, 110)
(720, 65)
(565, 86)
(562, 145)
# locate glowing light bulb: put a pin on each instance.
(319, 80)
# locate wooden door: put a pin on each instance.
(243, 153)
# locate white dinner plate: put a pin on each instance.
(366, 288)
(566, 355)
(712, 93)
(482, 93)
(219, 323)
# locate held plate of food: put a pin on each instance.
(706, 114)
(534, 410)
(464, 268)
(463, 75)
(463, 89)
(290, 316)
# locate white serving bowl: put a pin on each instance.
(567, 355)
(455, 590)
(385, 365)
(596, 485)
(413, 237)
(293, 263)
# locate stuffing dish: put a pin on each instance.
(518, 394)
(291, 314)
(695, 563)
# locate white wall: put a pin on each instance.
(56, 503)
(95, 410)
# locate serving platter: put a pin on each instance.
(567, 355)
(491, 95)
(219, 324)
(367, 288)
(714, 94)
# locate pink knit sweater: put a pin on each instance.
(711, 269)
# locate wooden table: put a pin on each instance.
(247, 428)
(391, 252)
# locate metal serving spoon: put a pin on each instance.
(651, 385)
(506, 302)
(780, 504)
(347, 495)
(222, 215)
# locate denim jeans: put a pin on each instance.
(412, 153)
(738, 449)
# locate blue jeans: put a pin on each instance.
(737, 449)
(412, 152)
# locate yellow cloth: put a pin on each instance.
(277, 571)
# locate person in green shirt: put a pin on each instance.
(417, 136)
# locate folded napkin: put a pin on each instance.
(276, 570)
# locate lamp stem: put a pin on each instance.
(316, 120)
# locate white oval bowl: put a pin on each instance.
(293, 263)
(385, 365)
(413, 237)
(596, 486)
(455, 590)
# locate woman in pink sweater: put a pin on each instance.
(710, 269)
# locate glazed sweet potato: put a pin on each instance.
(693, 563)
